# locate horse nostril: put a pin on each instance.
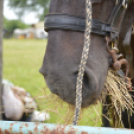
(89, 82)
(86, 81)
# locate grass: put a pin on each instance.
(22, 60)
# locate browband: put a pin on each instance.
(72, 23)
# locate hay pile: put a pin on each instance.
(115, 88)
(120, 99)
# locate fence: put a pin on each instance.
(10, 127)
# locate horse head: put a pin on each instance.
(64, 50)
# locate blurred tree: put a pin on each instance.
(10, 25)
(40, 7)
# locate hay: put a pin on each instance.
(115, 88)
(120, 99)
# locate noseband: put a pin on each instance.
(72, 23)
(110, 30)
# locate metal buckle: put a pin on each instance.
(124, 4)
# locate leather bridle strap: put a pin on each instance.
(117, 15)
(64, 22)
(68, 22)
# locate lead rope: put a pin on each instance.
(83, 62)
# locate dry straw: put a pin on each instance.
(117, 94)
(119, 97)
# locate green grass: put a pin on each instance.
(22, 60)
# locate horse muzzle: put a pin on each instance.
(65, 87)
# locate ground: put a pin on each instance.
(22, 60)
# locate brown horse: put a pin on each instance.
(64, 50)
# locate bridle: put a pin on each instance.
(73, 23)
(109, 30)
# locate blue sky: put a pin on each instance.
(30, 18)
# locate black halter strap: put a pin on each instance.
(64, 22)
(73, 23)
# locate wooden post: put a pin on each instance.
(1, 37)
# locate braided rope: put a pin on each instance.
(83, 62)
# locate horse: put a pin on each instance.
(64, 47)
